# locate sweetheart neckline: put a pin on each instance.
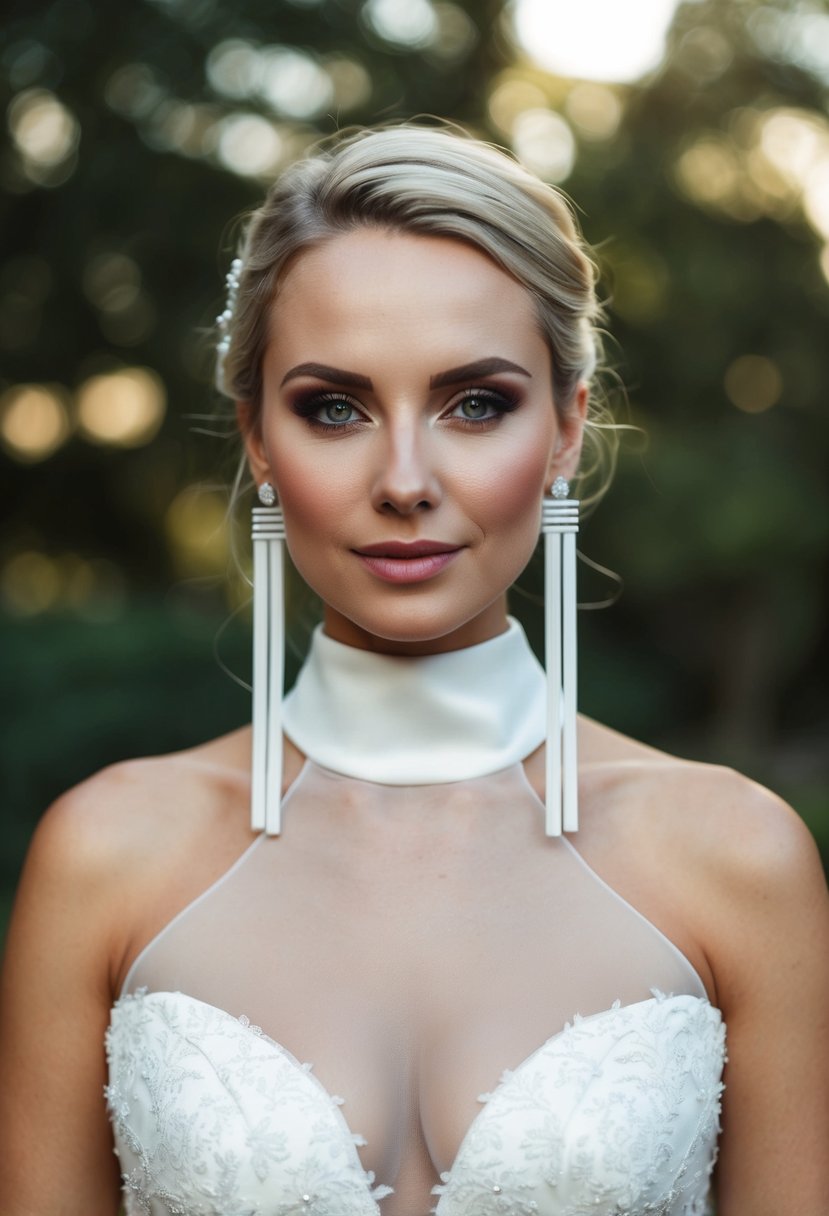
(380, 1191)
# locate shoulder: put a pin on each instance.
(122, 842)
(739, 835)
(141, 804)
(762, 901)
(745, 872)
(725, 821)
(731, 864)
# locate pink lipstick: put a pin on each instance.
(397, 561)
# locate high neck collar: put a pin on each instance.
(398, 720)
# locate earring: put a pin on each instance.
(560, 525)
(268, 532)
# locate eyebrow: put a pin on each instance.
(334, 375)
(472, 371)
(454, 375)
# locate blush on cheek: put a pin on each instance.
(311, 500)
(516, 486)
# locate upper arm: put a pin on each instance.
(55, 996)
(768, 939)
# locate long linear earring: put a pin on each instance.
(268, 532)
(560, 525)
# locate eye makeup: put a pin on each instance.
(496, 401)
(329, 410)
(310, 404)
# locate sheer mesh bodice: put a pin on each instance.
(414, 998)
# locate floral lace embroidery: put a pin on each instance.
(212, 1118)
(617, 1115)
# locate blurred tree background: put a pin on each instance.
(137, 134)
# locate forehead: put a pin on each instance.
(373, 286)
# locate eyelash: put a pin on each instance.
(309, 404)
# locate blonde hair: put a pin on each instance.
(434, 182)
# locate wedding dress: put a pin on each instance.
(412, 999)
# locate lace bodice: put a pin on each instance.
(617, 1113)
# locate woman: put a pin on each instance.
(516, 1022)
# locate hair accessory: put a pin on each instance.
(560, 525)
(268, 532)
(223, 320)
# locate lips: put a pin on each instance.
(397, 561)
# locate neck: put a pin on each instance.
(418, 720)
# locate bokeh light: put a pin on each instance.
(45, 133)
(456, 32)
(594, 109)
(798, 35)
(294, 84)
(753, 383)
(133, 90)
(816, 198)
(34, 421)
(793, 140)
(29, 583)
(250, 145)
(197, 530)
(123, 408)
(32, 582)
(409, 23)
(708, 171)
(350, 81)
(510, 97)
(544, 141)
(594, 39)
(233, 68)
(768, 162)
(704, 53)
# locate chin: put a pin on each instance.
(415, 629)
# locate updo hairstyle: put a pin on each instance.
(434, 182)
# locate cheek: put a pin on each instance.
(311, 501)
(516, 487)
(510, 499)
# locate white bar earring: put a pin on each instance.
(268, 532)
(560, 525)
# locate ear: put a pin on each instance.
(567, 449)
(250, 430)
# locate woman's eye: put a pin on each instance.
(481, 407)
(336, 411)
(327, 411)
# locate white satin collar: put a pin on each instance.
(418, 721)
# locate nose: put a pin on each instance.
(406, 480)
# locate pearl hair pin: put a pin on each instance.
(232, 280)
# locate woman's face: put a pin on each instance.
(409, 430)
